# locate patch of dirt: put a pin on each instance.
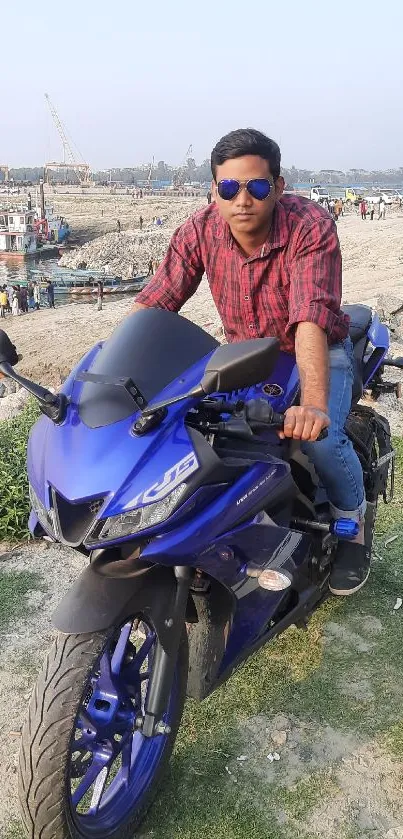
(367, 783)
(370, 798)
(359, 689)
(309, 748)
(22, 648)
(337, 632)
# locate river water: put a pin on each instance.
(15, 271)
(20, 271)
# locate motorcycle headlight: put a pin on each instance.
(43, 515)
(133, 521)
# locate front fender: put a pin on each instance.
(112, 589)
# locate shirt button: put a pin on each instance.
(246, 297)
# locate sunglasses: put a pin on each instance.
(258, 188)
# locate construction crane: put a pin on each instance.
(180, 175)
(150, 172)
(82, 170)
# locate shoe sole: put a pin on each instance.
(345, 592)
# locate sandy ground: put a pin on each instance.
(97, 212)
(51, 342)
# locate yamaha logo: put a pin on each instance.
(273, 390)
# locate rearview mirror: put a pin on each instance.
(239, 365)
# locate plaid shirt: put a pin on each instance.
(294, 276)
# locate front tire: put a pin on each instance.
(85, 771)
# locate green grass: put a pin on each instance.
(14, 502)
(14, 830)
(14, 586)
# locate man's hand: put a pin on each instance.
(304, 422)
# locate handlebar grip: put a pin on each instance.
(278, 419)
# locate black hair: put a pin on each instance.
(245, 141)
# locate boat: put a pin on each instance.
(27, 231)
(78, 279)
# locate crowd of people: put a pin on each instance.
(369, 209)
(19, 300)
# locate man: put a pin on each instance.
(3, 301)
(100, 295)
(338, 209)
(363, 209)
(37, 295)
(141, 222)
(274, 267)
(24, 300)
(382, 209)
(51, 294)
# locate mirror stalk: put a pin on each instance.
(53, 405)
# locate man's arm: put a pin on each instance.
(178, 276)
(306, 421)
(314, 314)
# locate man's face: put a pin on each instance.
(247, 215)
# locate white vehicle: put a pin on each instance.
(388, 196)
(374, 198)
(392, 196)
(319, 194)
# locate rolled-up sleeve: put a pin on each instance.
(179, 275)
(316, 280)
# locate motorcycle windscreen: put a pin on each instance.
(152, 347)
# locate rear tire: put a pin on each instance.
(46, 744)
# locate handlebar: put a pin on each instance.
(247, 417)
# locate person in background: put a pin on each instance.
(15, 308)
(338, 209)
(51, 294)
(100, 295)
(18, 290)
(37, 295)
(371, 212)
(9, 290)
(363, 209)
(209, 196)
(24, 300)
(31, 301)
(141, 222)
(150, 269)
(382, 209)
(3, 302)
(118, 226)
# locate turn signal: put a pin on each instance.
(273, 580)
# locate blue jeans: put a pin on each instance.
(334, 458)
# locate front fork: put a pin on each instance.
(164, 662)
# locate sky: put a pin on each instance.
(132, 80)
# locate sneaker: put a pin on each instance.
(351, 567)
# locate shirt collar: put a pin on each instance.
(276, 238)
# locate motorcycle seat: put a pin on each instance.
(360, 319)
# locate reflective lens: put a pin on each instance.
(258, 188)
(228, 189)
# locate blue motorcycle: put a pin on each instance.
(206, 536)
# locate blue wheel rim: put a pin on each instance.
(111, 764)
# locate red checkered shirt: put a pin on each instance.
(294, 276)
